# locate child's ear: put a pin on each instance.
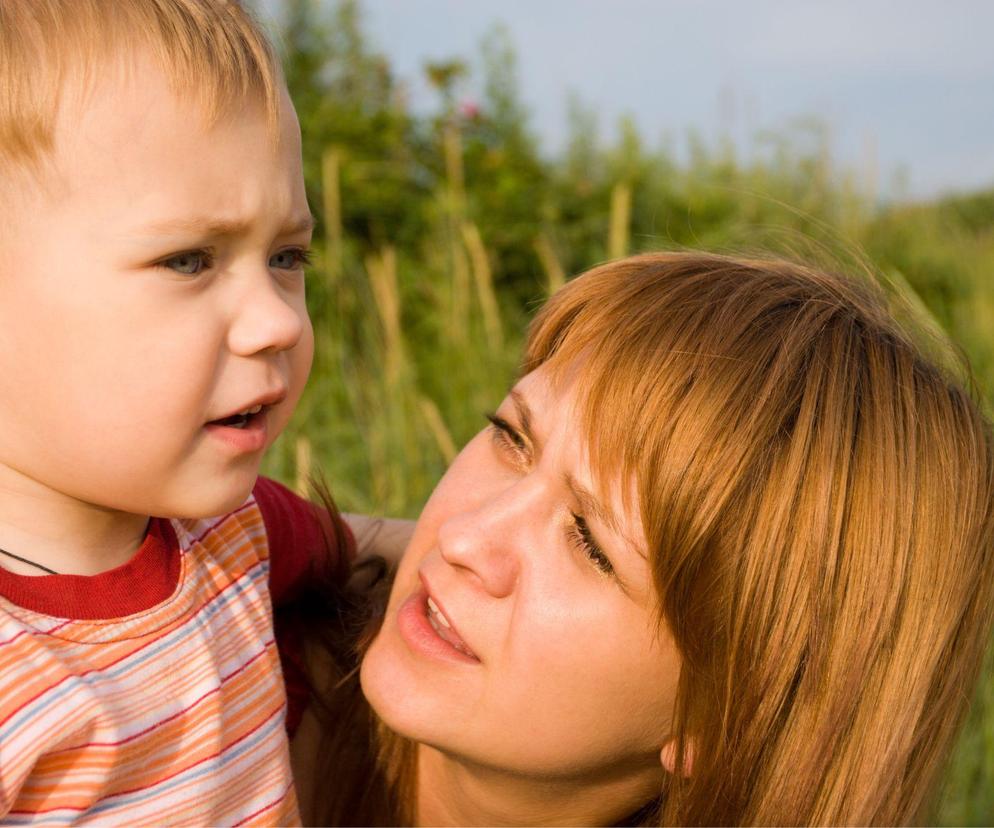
(667, 757)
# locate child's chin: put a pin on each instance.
(214, 502)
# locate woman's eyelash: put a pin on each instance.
(505, 432)
(584, 539)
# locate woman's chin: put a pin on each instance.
(412, 696)
(391, 693)
(371, 677)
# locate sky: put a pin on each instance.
(906, 89)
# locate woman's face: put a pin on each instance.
(521, 632)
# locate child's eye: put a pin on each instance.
(583, 539)
(293, 258)
(189, 263)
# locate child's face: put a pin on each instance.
(151, 287)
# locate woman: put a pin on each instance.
(724, 555)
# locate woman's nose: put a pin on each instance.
(485, 542)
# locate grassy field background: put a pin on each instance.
(441, 234)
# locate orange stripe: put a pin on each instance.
(77, 776)
(178, 684)
(151, 757)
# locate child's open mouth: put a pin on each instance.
(240, 420)
(245, 431)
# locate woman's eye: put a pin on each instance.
(507, 436)
(584, 540)
(189, 263)
(293, 258)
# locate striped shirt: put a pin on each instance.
(152, 693)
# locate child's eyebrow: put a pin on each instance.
(216, 227)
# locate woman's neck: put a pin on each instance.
(454, 792)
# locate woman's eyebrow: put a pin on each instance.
(524, 415)
(590, 505)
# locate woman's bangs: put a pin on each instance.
(629, 375)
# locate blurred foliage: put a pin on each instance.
(440, 233)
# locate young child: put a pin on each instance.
(153, 342)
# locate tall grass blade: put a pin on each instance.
(483, 277)
(332, 202)
(303, 466)
(621, 211)
(555, 276)
(382, 270)
(452, 149)
(436, 425)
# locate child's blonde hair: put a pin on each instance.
(210, 49)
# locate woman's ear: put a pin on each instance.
(667, 757)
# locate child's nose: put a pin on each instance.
(266, 319)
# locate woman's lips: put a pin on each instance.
(429, 636)
(443, 627)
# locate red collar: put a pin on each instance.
(148, 579)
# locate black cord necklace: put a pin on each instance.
(29, 563)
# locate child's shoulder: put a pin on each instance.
(235, 541)
(292, 535)
(244, 521)
(271, 510)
